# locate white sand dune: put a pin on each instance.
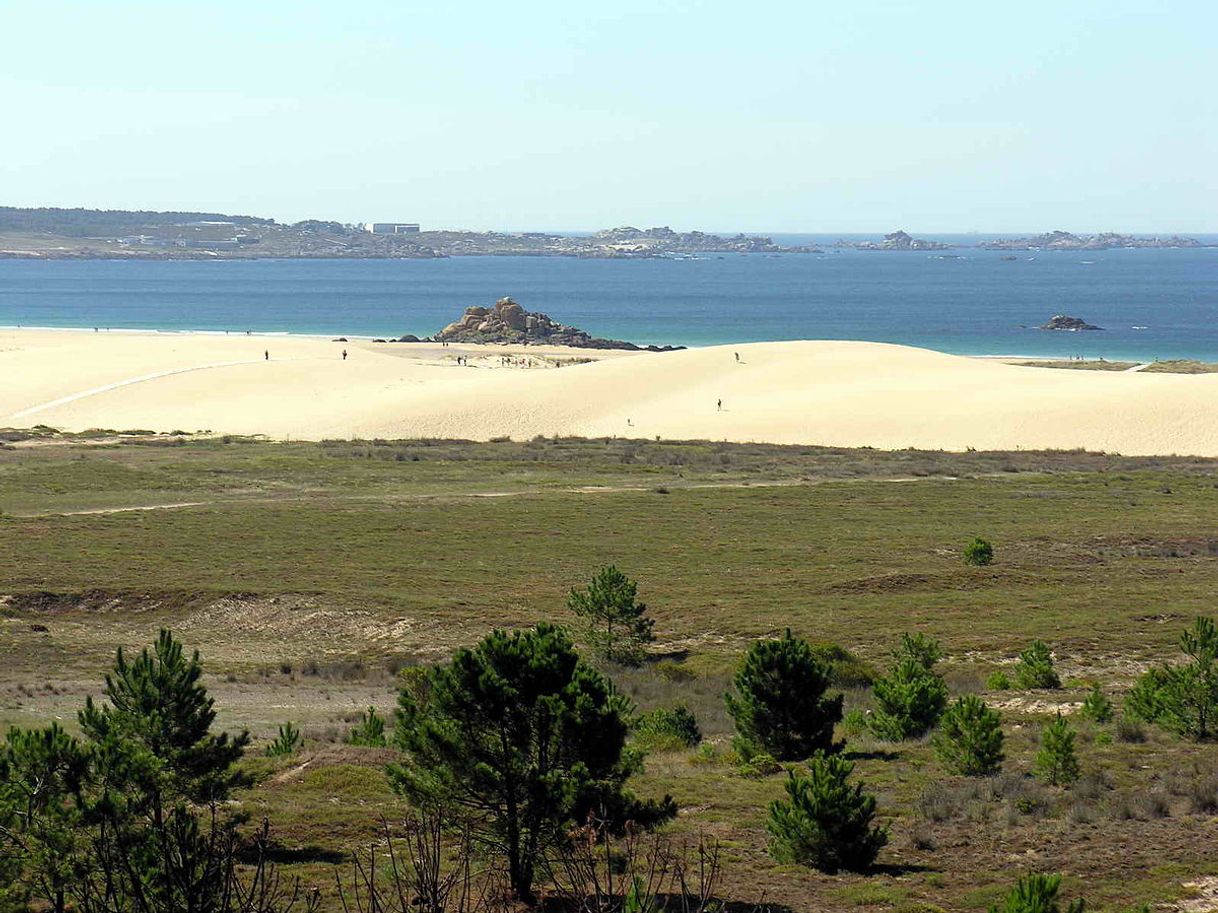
(834, 393)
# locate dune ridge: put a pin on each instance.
(813, 392)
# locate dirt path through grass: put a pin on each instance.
(431, 496)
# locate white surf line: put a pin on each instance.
(63, 400)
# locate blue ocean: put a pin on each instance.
(1151, 303)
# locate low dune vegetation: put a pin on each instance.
(510, 674)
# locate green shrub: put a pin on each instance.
(369, 731)
(674, 672)
(912, 697)
(969, 740)
(755, 764)
(998, 680)
(909, 702)
(779, 703)
(706, 754)
(1129, 731)
(1182, 698)
(825, 822)
(1096, 707)
(846, 670)
(1056, 763)
(978, 553)
(1036, 894)
(854, 723)
(667, 730)
(1035, 668)
(286, 743)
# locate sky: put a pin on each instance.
(763, 117)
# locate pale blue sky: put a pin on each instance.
(770, 116)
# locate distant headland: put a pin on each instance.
(87, 234)
(93, 234)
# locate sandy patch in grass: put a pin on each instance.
(1205, 896)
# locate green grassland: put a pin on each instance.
(309, 574)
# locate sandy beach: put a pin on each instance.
(831, 393)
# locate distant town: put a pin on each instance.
(58, 234)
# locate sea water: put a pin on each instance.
(1151, 303)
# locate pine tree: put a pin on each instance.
(1035, 668)
(526, 738)
(42, 772)
(1037, 894)
(825, 822)
(618, 628)
(1183, 698)
(286, 743)
(1096, 707)
(1056, 762)
(158, 714)
(911, 698)
(369, 731)
(923, 649)
(779, 702)
(158, 778)
(969, 740)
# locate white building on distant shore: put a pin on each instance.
(392, 228)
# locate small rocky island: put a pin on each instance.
(1067, 323)
(897, 240)
(1107, 240)
(508, 322)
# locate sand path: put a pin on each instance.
(64, 400)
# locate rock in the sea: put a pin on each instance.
(1106, 240)
(508, 322)
(897, 240)
(1065, 322)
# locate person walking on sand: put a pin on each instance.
(266, 354)
(719, 406)
(737, 354)
(344, 354)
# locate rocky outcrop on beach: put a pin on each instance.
(897, 240)
(508, 322)
(1107, 240)
(1065, 322)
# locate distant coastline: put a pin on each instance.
(81, 234)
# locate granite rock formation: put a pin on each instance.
(508, 322)
(1065, 322)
